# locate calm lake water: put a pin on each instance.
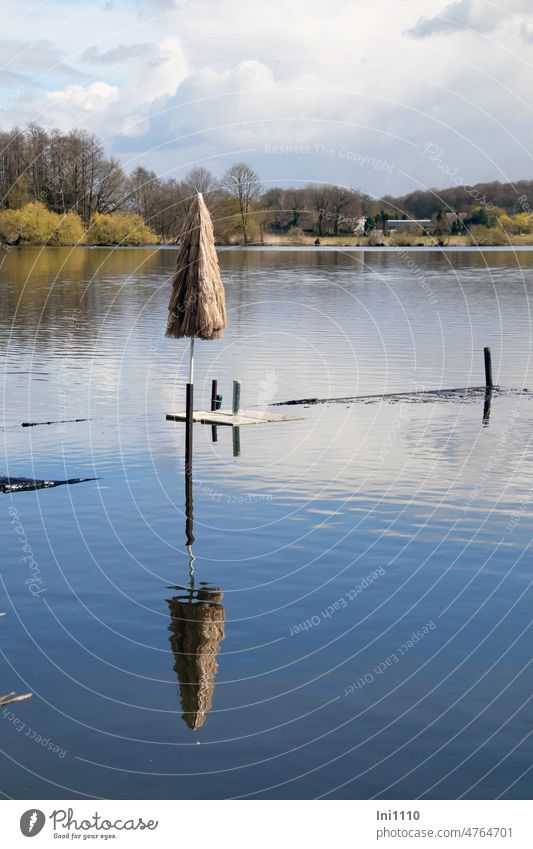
(360, 619)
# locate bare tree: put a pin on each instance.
(142, 186)
(14, 190)
(295, 200)
(320, 204)
(242, 183)
(199, 179)
(340, 200)
(110, 186)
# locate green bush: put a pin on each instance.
(69, 230)
(479, 235)
(35, 224)
(32, 222)
(119, 228)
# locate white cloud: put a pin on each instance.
(155, 77)
(467, 16)
(161, 73)
(92, 98)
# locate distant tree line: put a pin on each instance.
(70, 174)
(495, 197)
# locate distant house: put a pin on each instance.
(359, 226)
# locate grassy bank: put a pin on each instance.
(484, 239)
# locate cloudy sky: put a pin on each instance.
(383, 96)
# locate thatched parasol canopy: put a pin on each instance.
(197, 307)
(197, 629)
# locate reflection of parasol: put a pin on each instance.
(197, 629)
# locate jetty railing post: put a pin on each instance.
(189, 406)
(488, 368)
(214, 392)
(236, 397)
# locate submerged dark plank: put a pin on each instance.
(423, 395)
(12, 484)
(60, 421)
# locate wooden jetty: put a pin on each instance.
(229, 419)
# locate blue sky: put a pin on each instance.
(386, 97)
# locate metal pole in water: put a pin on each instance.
(189, 404)
(236, 397)
(191, 361)
(488, 368)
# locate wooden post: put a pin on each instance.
(236, 397)
(213, 395)
(189, 406)
(488, 368)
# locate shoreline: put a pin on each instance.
(293, 246)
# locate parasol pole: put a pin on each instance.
(191, 361)
(189, 408)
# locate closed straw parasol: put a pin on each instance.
(197, 308)
(197, 629)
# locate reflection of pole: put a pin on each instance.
(192, 558)
(188, 507)
(486, 406)
(236, 441)
(188, 426)
(189, 521)
(488, 368)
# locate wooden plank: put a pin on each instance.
(226, 417)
